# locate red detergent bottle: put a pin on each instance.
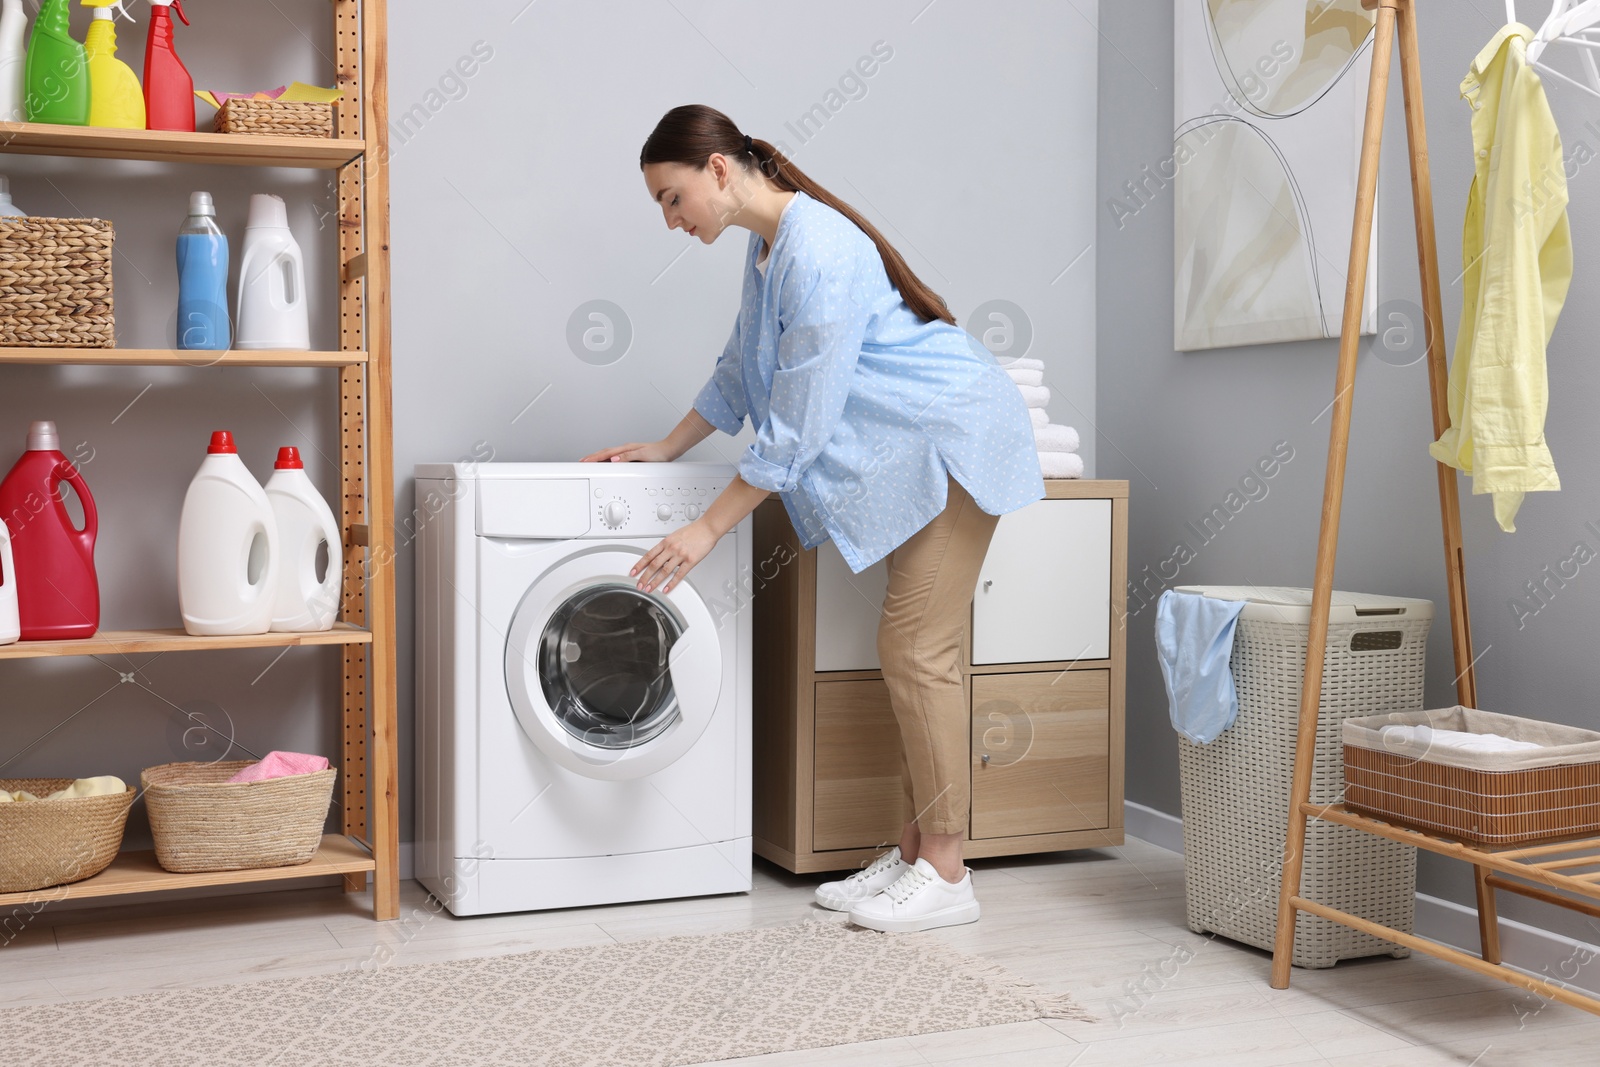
(168, 88)
(58, 596)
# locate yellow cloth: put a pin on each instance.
(1517, 250)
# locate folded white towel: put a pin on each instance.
(1061, 464)
(1036, 396)
(1053, 437)
(1038, 416)
(1022, 364)
(1461, 740)
(1026, 376)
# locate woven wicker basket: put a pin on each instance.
(286, 118)
(55, 283)
(1481, 798)
(46, 843)
(1235, 790)
(203, 822)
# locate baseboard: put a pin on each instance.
(1530, 949)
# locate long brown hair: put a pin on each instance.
(691, 133)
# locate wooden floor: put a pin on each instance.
(1106, 925)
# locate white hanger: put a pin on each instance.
(1567, 23)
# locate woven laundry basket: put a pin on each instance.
(1236, 789)
(54, 842)
(202, 822)
(55, 283)
(291, 118)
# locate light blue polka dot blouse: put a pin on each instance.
(859, 407)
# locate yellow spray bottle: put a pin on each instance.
(115, 98)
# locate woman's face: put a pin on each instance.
(692, 200)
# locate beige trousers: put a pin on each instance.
(932, 577)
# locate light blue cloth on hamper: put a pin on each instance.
(1194, 640)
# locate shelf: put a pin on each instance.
(123, 642)
(170, 357)
(160, 146)
(138, 872)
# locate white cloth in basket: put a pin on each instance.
(1423, 734)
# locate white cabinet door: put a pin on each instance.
(848, 608)
(1044, 593)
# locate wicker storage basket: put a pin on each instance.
(55, 283)
(1235, 790)
(1482, 798)
(202, 822)
(287, 118)
(46, 843)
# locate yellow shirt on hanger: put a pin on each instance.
(1517, 252)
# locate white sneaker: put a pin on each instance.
(843, 895)
(919, 900)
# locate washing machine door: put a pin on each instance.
(607, 680)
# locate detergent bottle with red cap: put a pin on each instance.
(168, 88)
(227, 547)
(58, 595)
(305, 601)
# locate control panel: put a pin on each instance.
(629, 507)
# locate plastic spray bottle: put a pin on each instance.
(168, 88)
(57, 71)
(13, 62)
(115, 98)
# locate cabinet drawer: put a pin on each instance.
(1048, 742)
(1044, 593)
(858, 800)
(848, 609)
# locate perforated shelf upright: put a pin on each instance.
(368, 841)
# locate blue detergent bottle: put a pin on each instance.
(203, 279)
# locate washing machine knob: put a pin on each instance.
(615, 513)
(663, 512)
(691, 512)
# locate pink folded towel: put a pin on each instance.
(281, 765)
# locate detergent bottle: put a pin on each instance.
(227, 547)
(168, 88)
(10, 621)
(6, 206)
(58, 595)
(57, 72)
(202, 278)
(304, 602)
(115, 98)
(272, 281)
(13, 62)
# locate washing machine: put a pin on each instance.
(579, 741)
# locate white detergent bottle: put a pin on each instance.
(227, 547)
(6, 206)
(304, 603)
(272, 281)
(10, 619)
(13, 62)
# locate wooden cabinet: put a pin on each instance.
(1042, 664)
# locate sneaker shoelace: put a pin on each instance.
(907, 885)
(882, 863)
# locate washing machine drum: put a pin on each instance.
(608, 680)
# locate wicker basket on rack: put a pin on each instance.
(53, 842)
(292, 118)
(55, 283)
(1481, 797)
(203, 822)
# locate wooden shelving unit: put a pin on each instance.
(369, 775)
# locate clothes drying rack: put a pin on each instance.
(1551, 872)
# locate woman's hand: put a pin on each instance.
(636, 452)
(679, 551)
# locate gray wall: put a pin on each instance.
(518, 200)
(1184, 427)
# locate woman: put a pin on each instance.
(885, 428)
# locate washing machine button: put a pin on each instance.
(663, 512)
(691, 511)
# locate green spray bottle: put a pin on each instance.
(58, 71)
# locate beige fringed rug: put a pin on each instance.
(675, 1000)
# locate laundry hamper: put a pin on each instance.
(1235, 790)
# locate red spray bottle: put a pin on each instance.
(168, 88)
(58, 596)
